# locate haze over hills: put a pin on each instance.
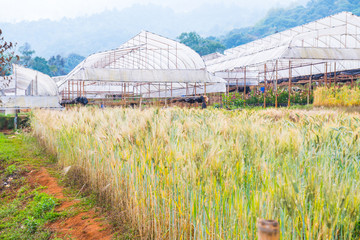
(223, 26)
(109, 29)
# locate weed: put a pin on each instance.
(10, 170)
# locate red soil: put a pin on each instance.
(85, 225)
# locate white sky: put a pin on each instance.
(18, 10)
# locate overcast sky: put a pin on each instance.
(18, 10)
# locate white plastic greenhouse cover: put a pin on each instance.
(332, 39)
(28, 82)
(145, 58)
(33, 90)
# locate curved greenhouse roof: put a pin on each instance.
(145, 58)
(148, 65)
(305, 49)
(25, 81)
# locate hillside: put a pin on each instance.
(109, 29)
(280, 19)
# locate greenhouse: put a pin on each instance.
(323, 52)
(26, 88)
(146, 66)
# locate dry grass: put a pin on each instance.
(193, 174)
(337, 97)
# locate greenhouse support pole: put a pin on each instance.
(276, 85)
(326, 80)
(289, 90)
(165, 94)
(68, 90)
(265, 85)
(228, 84)
(16, 82)
(310, 82)
(244, 86)
(16, 119)
(352, 81)
(195, 88)
(140, 94)
(171, 89)
(237, 85)
(125, 94)
(205, 88)
(334, 75)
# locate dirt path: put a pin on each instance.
(83, 224)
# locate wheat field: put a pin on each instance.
(344, 96)
(210, 174)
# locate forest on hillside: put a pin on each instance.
(276, 20)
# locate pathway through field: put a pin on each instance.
(84, 225)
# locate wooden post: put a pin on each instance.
(68, 90)
(237, 85)
(290, 78)
(165, 94)
(334, 75)
(171, 89)
(265, 85)
(310, 82)
(325, 76)
(228, 87)
(276, 85)
(268, 230)
(244, 86)
(125, 94)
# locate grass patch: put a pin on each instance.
(25, 216)
(24, 211)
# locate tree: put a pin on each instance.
(26, 54)
(7, 57)
(203, 46)
(40, 64)
(57, 64)
(72, 61)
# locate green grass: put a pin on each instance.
(23, 211)
(25, 216)
(26, 211)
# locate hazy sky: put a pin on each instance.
(17, 10)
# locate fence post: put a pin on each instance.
(268, 230)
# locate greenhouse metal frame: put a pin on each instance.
(146, 66)
(321, 52)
